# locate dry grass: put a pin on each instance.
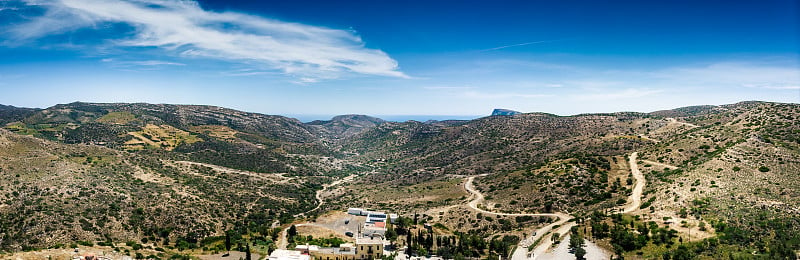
(401, 199)
(164, 136)
(121, 118)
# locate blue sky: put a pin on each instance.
(313, 59)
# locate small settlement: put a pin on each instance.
(369, 241)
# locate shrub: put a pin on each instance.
(763, 169)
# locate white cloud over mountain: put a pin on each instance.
(184, 28)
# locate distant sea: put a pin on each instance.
(394, 118)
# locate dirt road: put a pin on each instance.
(635, 200)
(674, 121)
(522, 248)
(282, 241)
(636, 196)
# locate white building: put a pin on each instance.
(355, 211)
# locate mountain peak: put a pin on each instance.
(504, 112)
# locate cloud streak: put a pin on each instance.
(183, 28)
(517, 45)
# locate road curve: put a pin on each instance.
(522, 252)
(479, 198)
(282, 241)
(522, 249)
(325, 187)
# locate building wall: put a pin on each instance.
(369, 251)
(363, 252)
(333, 256)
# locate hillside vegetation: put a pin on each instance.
(176, 177)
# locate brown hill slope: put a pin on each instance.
(58, 194)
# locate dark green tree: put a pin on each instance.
(580, 253)
(228, 241)
(292, 232)
(247, 255)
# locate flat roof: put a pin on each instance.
(369, 240)
(307, 247)
(281, 254)
(336, 250)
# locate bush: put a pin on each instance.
(763, 169)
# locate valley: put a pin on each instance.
(174, 180)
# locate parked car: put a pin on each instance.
(348, 233)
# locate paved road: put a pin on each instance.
(560, 252)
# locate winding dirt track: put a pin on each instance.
(544, 233)
(636, 196)
(276, 177)
(521, 252)
(522, 249)
(282, 241)
(325, 187)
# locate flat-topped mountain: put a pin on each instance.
(504, 112)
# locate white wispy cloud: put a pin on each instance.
(185, 29)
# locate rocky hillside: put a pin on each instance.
(176, 174)
(345, 125)
(715, 174)
(226, 137)
(11, 114)
(57, 194)
(498, 143)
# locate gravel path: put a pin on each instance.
(636, 196)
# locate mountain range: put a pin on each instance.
(182, 176)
